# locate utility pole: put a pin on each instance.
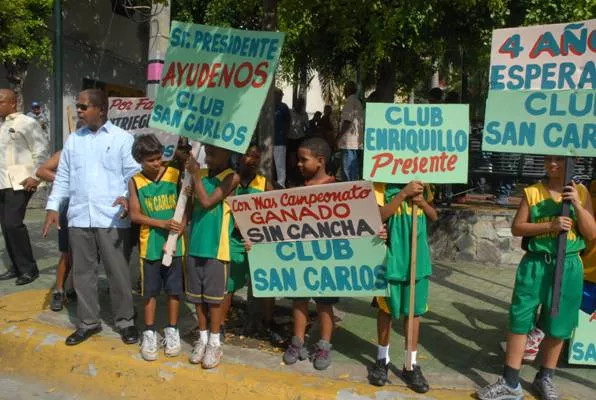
(158, 45)
(58, 114)
(266, 126)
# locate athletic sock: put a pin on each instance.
(511, 376)
(383, 352)
(150, 328)
(214, 339)
(544, 372)
(172, 326)
(204, 336)
(413, 356)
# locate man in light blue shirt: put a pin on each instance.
(95, 166)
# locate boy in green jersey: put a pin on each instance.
(250, 182)
(395, 204)
(538, 218)
(208, 265)
(153, 198)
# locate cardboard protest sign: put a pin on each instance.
(582, 347)
(132, 114)
(541, 98)
(214, 83)
(340, 210)
(425, 142)
(335, 268)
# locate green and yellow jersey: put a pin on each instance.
(211, 229)
(589, 256)
(158, 201)
(543, 208)
(257, 185)
(399, 230)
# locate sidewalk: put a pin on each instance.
(459, 349)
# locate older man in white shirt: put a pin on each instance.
(95, 166)
(23, 149)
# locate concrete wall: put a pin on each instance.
(88, 27)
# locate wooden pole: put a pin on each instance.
(413, 252)
(70, 119)
(562, 242)
(170, 247)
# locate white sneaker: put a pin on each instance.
(198, 352)
(212, 356)
(149, 346)
(171, 341)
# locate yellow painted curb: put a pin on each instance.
(104, 366)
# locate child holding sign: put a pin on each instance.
(209, 250)
(395, 203)
(153, 198)
(250, 182)
(538, 218)
(313, 155)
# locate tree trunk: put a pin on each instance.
(15, 75)
(266, 126)
(303, 84)
(385, 87)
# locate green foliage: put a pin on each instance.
(552, 12)
(24, 32)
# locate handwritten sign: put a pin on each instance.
(404, 142)
(541, 97)
(582, 347)
(214, 83)
(132, 114)
(340, 210)
(334, 268)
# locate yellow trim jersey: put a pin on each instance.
(158, 201)
(257, 185)
(399, 229)
(544, 208)
(211, 229)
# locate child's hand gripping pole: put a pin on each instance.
(170, 247)
(562, 242)
(413, 252)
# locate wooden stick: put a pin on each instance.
(70, 119)
(413, 252)
(561, 243)
(170, 247)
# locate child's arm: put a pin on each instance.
(47, 171)
(523, 227)
(137, 216)
(221, 192)
(428, 209)
(585, 218)
(412, 189)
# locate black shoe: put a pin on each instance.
(80, 335)
(415, 380)
(57, 301)
(10, 274)
(129, 335)
(26, 278)
(71, 294)
(378, 373)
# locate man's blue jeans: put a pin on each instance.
(350, 165)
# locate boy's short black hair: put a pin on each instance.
(318, 147)
(145, 146)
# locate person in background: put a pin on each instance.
(282, 128)
(298, 131)
(351, 133)
(314, 125)
(37, 115)
(23, 150)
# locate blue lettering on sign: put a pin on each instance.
(579, 353)
(327, 282)
(380, 273)
(309, 273)
(259, 278)
(496, 77)
(168, 151)
(524, 135)
(342, 275)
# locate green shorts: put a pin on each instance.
(398, 303)
(239, 272)
(533, 287)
